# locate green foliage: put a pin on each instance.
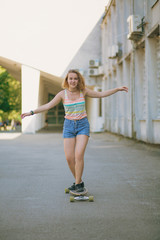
(10, 96)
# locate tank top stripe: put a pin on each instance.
(74, 109)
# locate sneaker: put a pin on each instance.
(72, 187)
(79, 187)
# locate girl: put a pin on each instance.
(76, 125)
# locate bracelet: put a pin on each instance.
(32, 113)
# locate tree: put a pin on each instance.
(10, 96)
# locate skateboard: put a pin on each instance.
(81, 196)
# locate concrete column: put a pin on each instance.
(114, 108)
(152, 86)
(127, 98)
(120, 100)
(103, 102)
(149, 77)
(93, 110)
(140, 94)
(158, 80)
(132, 84)
(30, 94)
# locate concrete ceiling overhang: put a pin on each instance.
(52, 83)
(14, 68)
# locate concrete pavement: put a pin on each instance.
(123, 176)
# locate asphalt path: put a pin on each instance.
(123, 175)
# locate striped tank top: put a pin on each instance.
(74, 109)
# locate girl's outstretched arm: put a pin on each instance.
(46, 106)
(95, 94)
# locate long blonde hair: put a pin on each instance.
(81, 81)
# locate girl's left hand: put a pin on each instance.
(23, 115)
(123, 89)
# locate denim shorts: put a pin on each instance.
(72, 128)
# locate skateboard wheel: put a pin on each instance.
(71, 199)
(91, 199)
(66, 190)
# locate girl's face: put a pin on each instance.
(72, 81)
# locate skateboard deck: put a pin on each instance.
(79, 196)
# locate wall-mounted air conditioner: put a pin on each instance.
(113, 51)
(93, 72)
(133, 22)
(93, 63)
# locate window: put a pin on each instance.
(55, 115)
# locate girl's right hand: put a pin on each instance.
(23, 115)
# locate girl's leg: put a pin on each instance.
(69, 149)
(81, 143)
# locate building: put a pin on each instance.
(131, 57)
(37, 89)
(88, 62)
(122, 49)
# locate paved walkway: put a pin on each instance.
(123, 176)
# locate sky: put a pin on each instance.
(46, 34)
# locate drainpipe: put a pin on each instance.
(133, 120)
